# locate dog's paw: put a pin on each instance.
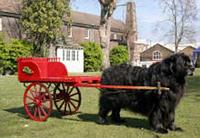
(102, 121)
(161, 130)
(176, 129)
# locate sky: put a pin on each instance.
(148, 13)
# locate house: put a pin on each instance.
(188, 51)
(158, 52)
(154, 54)
(84, 28)
(139, 48)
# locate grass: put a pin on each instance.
(15, 123)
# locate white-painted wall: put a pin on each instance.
(1, 24)
(147, 63)
(73, 59)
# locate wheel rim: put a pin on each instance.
(37, 102)
(67, 99)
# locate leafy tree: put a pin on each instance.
(10, 51)
(42, 21)
(93, 56)
(118, 55)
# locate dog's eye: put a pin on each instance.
(187, 64)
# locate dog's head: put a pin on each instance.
(179, 65)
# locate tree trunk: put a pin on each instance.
(131, 30)
(107, 9)
(52, 51)
(104, 32)
(131, 47)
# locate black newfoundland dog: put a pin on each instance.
(159, 108)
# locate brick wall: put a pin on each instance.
(148, 54)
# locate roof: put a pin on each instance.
(13, 6)
(86, 18)
(157, 44)
(10, 5)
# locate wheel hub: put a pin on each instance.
(38, 102)
(67, 97)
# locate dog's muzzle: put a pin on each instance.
(190, 71)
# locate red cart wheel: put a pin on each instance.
(37, 102)
(67, 99)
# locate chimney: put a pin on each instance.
(131, 31)
(131, 22)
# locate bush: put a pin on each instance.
(9, 52)
(93, 57)
(118, 55)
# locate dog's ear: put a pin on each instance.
(168, 64)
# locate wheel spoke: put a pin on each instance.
(63, 86)
(39, 113)
(61, 104)
(58, 87)
(29, 104)
(35, 87)
(74, 94)
(30, 98)
(67, 88)
(72, 104)
(32, 93)
(45, 97)
(44, 106)
(35, 111)
(71, 90)
(70, 110)
(49, 85)
(74, 100)
(65, 108)
(40, 89)
(43, 111)
(58, 100)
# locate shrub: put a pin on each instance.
(118, 55)
(9, 52)
(93, 56)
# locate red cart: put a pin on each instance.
(47, 81)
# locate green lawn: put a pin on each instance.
(14, 121)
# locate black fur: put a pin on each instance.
(160, 109)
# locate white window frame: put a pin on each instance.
(87, 33)
(1, 24)
(156, 55)
(115, 36)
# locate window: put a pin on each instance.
(0, 24)
(156, 55)
(73, 55)
(63, 54)
(68, 55)
(115, 36)
(87, 34)
(77, 55)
